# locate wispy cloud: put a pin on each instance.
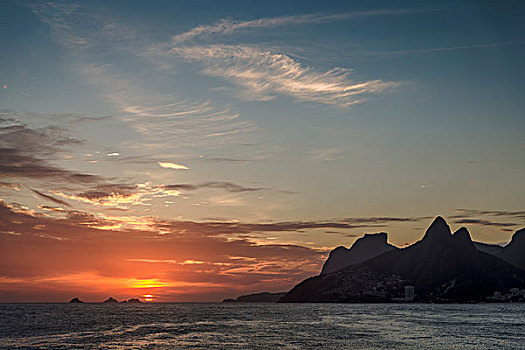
(326, 154)
(86, 32)
(229, 26)
(51, 198)
(173, 166)
(261, 74)
(484, 222)
(227, 186)
(473, 212)
(513, 218)
(166, 117)
(445, 48)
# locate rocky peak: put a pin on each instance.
(462, 237)
(364, 248)
(380, 237)
(438, 232)
(518, 239)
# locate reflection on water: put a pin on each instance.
(262, 326)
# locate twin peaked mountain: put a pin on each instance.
(441, 266)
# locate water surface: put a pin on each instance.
(262, 326)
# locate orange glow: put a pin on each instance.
(153, 283)
(148, 297)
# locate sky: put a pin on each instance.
(201, 150)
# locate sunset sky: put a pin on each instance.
(198, 150)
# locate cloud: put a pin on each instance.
(228, 26)
(173, 166)
(15, 163)
(152, 112)
(227, 186)
(484, 222)
(10, 185)
(36, 140)
(326, 154)
(385, 219)
(446, 48)
(475, 212)
(25, 152)
(51, 198)
(50, 249)
(472, 217)
(167, 117)
(104, 191)
(261, 74)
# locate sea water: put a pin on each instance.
(262, 326)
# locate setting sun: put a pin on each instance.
(148, 297)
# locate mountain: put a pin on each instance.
(441, 266)
(492, 249)
(263, 297)
(514, 252)
(364, 248)
(110, 300)
(76, 301)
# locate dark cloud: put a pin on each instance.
(227, 186)
(51, 198)
(103, 191)
(484, 222)
(36, 141)
(224, 227)
(476, 212)
(75, 119)
(17, 163)
(25, 152)
(235, 228)
(224, 159)
(385, 220)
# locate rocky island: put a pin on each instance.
(76, 301)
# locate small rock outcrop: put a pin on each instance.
(110, 300)
(134, 301)
(76, 301)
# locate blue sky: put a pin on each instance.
(266, 112)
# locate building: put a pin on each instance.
(409, 293)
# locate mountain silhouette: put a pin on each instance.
(441, 266)
(514, 252)
(264, 297)
(364, 248)
(492, 249)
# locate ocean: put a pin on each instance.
(262, 326)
